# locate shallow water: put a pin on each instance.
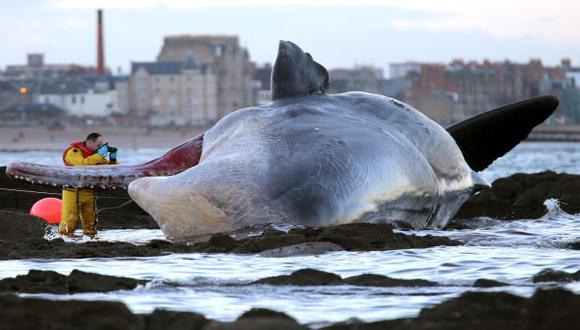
(211, 284)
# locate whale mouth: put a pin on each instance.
(176, 160)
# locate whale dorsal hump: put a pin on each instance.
(490, 135)
(295, 73)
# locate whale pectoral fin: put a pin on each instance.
(490, 135)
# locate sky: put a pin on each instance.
(337, 33)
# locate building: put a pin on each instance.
(11, 94)
(394, 87)
(570, 97)
(400, 70)
(477, 87)
(121, 85)
(572, 73)
(77, 96)
(262, 78)
(177, 93)
(235, 88)
(36, 68)
(361, 78)
(25, 114)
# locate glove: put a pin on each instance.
(103, 149)
(113, 155)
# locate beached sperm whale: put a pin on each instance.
(313, 159)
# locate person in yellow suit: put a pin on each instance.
(81, 202)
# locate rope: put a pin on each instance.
(49, 193)
(58, 194)
(31, 191)
(113, 207)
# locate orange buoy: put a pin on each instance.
(48, 209)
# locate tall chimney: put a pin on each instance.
(100, 46)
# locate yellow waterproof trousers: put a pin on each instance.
(75, 203)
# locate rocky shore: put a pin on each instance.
(24, 239)
(547, 309)
(38, 281)
(522, 196)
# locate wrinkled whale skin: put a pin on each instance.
(314, 160)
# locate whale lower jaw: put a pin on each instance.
(182, 214)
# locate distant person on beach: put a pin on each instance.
(81, 202)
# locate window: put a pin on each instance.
(74, 99)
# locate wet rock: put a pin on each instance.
(478, 310)
(546, 309)
(37, 281)
(574, 245)
(359, 236)
(403, 241)
(262, 243)
(29, 313)
(553, 309)
(385, 281)
(351, 237)
(272, 232)
(455, 224)
(522, 196)
(132, 218)
(373, 237)
(79, 281)
(18, 225)
(551, 275)
(305, 277)
(486, 283)
(221, 243)
(302, 249)
(170, 320)
(310, 276)
(57, 248)
(309, 232)
(259, 318)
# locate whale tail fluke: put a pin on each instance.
(490, 135)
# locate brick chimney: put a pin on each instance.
(100, 46)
